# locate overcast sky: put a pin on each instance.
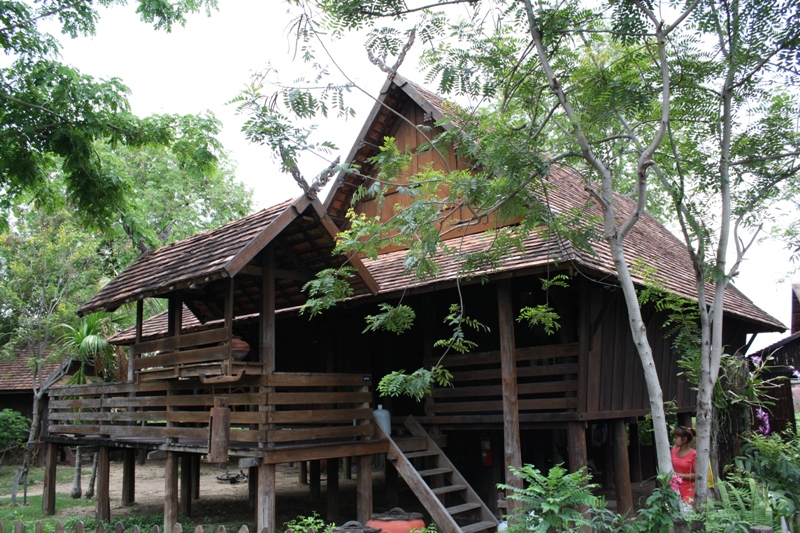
(207, 63)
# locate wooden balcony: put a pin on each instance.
(267, 411)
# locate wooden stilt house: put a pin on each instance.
(306, 390)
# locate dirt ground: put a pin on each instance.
(225, 503)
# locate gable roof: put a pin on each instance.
(648, 239)
(304, 238)
(17, 376)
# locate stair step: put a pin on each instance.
(478, 526)
(423, 453)
(434, 472)
(448, 488)
(463, 508)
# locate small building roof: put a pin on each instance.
(16, 374)
(304, 238)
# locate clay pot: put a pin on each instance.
(397, 521)
(355, 527)
(239, 348)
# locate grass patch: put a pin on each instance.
(32, 513)
(64, 475)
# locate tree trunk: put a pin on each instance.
(90, 489)
(76, 480)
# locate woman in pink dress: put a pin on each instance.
(684, 461)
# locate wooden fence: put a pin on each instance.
(19, 527)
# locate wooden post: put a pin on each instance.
(313, 481)
(622, 473)
(333, 491)
(635, 452)
(508, 371)
(49, 492)
(170, 491)
(266, 335)
(303, 473)
(103, 509)
(346, 468)
(128, 477)
(364, 488)
(196, 476)
(265, 507)
(392, 486)
(186, 485)
(576, 445)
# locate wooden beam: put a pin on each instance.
(313, 481)
(49, 491)
(267, 318)
(576, 445)
(196, 476)
(265, 505)
(622, 473)
(333, 490)
(302, 473)
(185, 499)
(508, 371)
(364, 488)
(170, 490)
(128, 477)
(103, 509)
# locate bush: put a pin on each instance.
(14, 429)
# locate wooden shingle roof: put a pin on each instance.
(16, 373)
(303, 238)
(648, 240)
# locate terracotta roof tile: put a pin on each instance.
(16, 375)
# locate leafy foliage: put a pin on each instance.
(416, 385)
(658, 515)
(544, 315)
(393, 318)
(550, 502)
(14, 427)
(303, 524)
(458, 341)
(330, 287)
(774, 460)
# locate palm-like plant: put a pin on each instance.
(87, 343)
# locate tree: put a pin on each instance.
(52, 115)
(692, 102)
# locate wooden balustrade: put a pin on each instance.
(304, 408)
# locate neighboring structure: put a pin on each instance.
(786, 361)
(16, 381)
(306, 390)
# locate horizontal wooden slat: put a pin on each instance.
(155, 432)
(542, 404)
(493, 374)
(183, 341)
(301, 379)
(497, 390)
(256, 398)
(237, 417)
(340, 432)
(200, 355)
(300, 398)
(317, 416)
(324, 451)
(522, 354)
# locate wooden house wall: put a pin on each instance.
(408, 138)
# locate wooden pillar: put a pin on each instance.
(333, 491)
(576, 445)
(103, 509)
(265, 506)
(252, 486)
(392, 486)
(196, 476)
(49, 492)
(303, 473)
(185, 500)
(170, 491)
(313, 481)
(346, 468)
(266, 342)
(635, 452)
(128, 477)
(622, 473)
(508, 372)
(364, 488)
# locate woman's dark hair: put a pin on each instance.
(685, 432)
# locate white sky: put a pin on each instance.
(207, 63)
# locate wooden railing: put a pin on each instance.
(275, 409)
(547, 381)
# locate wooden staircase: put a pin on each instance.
(442, 490)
